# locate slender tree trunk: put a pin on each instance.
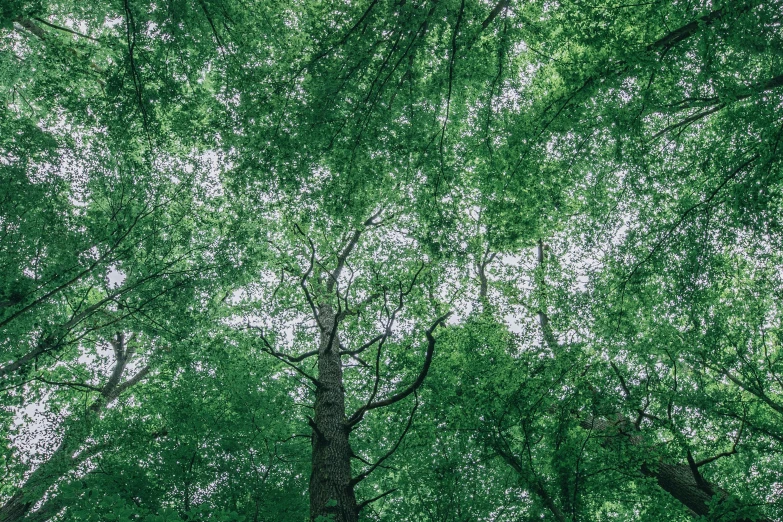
(67, 456)
(331, 492)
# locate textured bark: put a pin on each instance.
(684, 482)
(18, 507)
(331, 491)
(680, 481)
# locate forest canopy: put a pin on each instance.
(392, 260)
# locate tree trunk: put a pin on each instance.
(332, 495)
(16, 508)
(680, 482)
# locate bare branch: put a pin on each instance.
(732, 451)
(624, 386)
(282, 357)
(346, 251)
(365, 345)
(65, 29)
(69, 384)
(303, 279)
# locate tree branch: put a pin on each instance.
(365, 345)
(502, 4)
(388, 454)
(282, 357)
(303, 279)
(69, 384)
(732, 451)
(371, 500)
(64, 29)
(357, 417)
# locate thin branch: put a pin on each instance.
(281, 357)
(65, 29)
(732, 451)
(700, 481)
(290, 358)
(624, 386)
(389, 453)
(346, 251)
(685, 214)
(69, 384)
(365, 345)
(303, 279)
(687, 121)
(371, 500)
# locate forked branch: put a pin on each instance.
(393, 449)
(287, 360)
(359, 415)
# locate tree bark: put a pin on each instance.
(332, 494)
(15, 508)
(684, 482)
(680, 481)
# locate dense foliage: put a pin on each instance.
(438, 260)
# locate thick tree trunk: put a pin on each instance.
(679, 482)
(331, 492)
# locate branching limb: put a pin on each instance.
(732, 451)
(346, 251)
(130, 382)
(700, 481)
(283, 358)
(303, 279)
(360, 361)
(481, 269)
(623, 385)
(357, 417)
(290, 358)
(371, 500)
(365, 345)
(391, 452)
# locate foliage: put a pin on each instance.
(391, 260)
